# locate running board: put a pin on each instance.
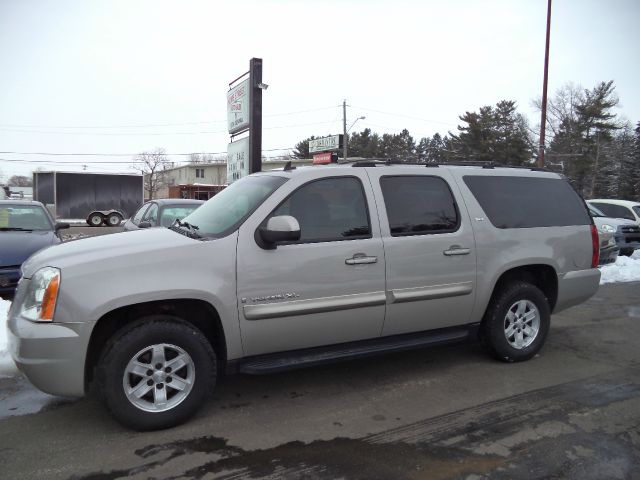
(309, 357)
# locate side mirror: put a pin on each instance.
(61, 226)
(283, 228)
(145, 224)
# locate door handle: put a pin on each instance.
(457, 250)
(360, 259)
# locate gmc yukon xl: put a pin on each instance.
(297, 267)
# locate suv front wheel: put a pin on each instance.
(516, 323)
(156, 373)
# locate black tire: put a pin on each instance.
(494, 323)
(124, 348)
(95, 220)
(114, 220)
(626, 252)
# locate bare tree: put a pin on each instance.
(151, 165)
(20, 181)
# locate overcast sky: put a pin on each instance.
(121, 77)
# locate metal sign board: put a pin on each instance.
(325, 144)
(237, 160)
(238, 107)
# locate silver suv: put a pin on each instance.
(293, 268)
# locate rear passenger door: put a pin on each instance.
(429, 250)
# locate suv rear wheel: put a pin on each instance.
(516, 323)
(157, 373)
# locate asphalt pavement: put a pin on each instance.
(451, 412)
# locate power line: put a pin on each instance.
(152, 125)
(120, 134)
(128, 154)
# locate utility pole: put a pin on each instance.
(543, 120)
(344, 130)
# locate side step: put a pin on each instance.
(308, 357)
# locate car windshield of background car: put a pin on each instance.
(24, 217)
(170, 214)
(225, 211)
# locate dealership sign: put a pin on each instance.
(237, 160)
(238, 107)
(325, 158)
(325, 144)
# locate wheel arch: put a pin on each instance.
(198, 313)
(543, 276)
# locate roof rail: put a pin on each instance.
(287, 167)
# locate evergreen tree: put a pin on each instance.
(301, 150)
(494, 134)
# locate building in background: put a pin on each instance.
(201, 181)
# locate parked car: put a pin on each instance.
(25, 228)
(621, 215)
(161, 213)
(609, 249)
(298, 267)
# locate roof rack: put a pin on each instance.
(288, 167)
(373, 162)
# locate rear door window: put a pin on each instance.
(419, 205)
(527, 202)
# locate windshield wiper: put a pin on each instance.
(191, 231)
(15, 229)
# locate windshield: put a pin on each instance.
(224, 212)
(595, 212)
(23, 217)
(170, 214)
(637, 210)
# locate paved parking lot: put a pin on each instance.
(449, 412)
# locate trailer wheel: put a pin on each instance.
(114, 219)
(95, 219)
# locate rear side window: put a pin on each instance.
(419, 205)
(527, 202)
(614, 211)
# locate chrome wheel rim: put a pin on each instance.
(522, 324)
(159, 377)
(113, 220)
(95, 220)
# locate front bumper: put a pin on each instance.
(9, 277)
(51, 355)
(628, 240)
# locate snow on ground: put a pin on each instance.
(626, 269)
(7, 367)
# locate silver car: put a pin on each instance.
(293, 268)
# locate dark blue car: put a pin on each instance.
(25, 228)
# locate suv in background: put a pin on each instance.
(628, 233)
(298, 267)
(607, 228)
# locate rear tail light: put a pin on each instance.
(595, 255)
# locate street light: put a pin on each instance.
(346, 137)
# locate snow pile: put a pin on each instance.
(626, 269)
(7, 367)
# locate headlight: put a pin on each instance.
(39, 302)
(607, 228)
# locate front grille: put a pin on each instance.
(630, 229)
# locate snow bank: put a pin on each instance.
(626, 269)
(7, 367)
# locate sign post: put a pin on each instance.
(244, 115)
